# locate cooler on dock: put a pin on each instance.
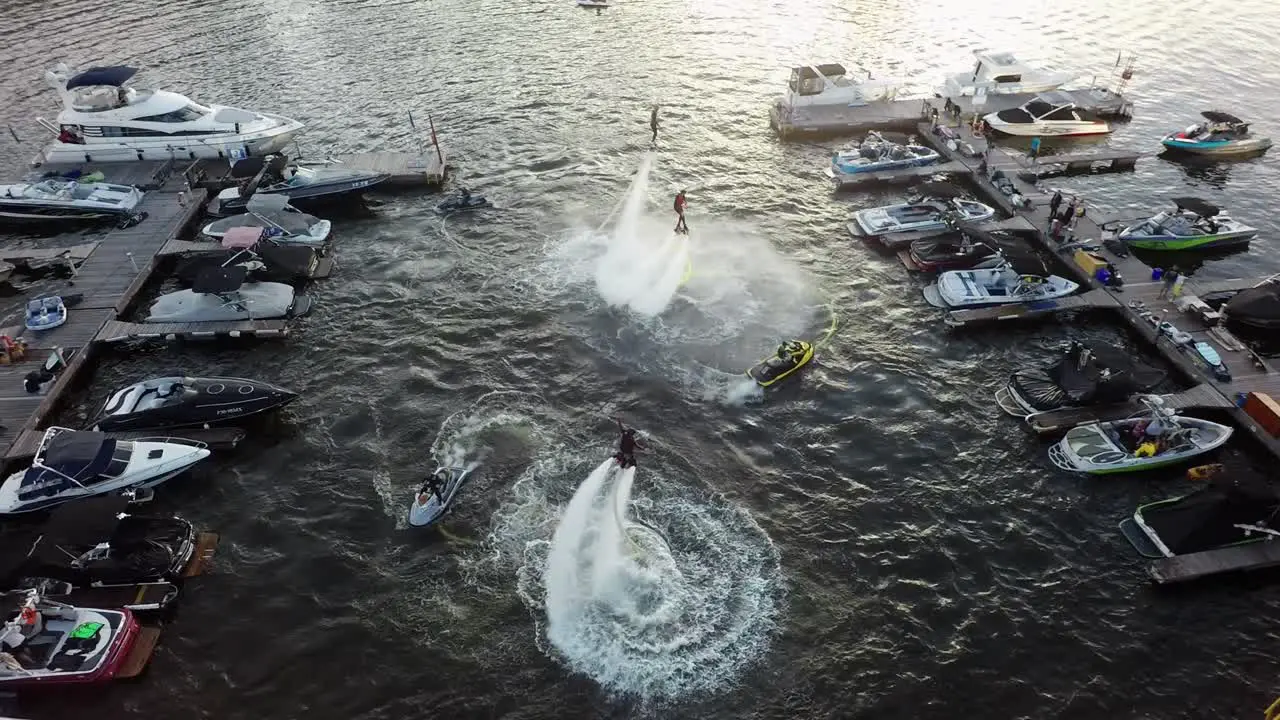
(1091, 262)
(1264, 410)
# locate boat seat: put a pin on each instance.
(126, 402)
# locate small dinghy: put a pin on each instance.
(1193, 224)
(1152, 439)
(461, 202)
(960, 289)
(790, 357)
(875, 153)
(428, 505)
(1221, 134)
(46, 313)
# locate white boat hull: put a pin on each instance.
(1047, 129)
(202, 147)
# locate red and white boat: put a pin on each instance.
(46, 643)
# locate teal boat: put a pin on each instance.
(1193, 224)
(1222, 134)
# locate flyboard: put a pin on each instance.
(427, 509)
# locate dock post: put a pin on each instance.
(133, 262)
(436, 142)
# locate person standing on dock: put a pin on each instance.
(1169, 278)
(1069, 213)
(1054, 203)
(1035, 150)
(1079, 215)
(680, 206)
(653, 125)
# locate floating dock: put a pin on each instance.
(403, 169)
(1195, 566)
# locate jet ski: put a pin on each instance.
(464, 200)
(791, 356)
(427, 509)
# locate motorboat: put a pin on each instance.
(789, 358)
(1003, 285)
(174, 402)
(1227, 513)
(1085, 375)
(65, 200)
(45, 313)
(830, 86)
(938, 204)
(460, 202)
(1001, 73)
(1221, 134)
(281, 222)
(75, 464)
(970, 248)
(47, 643)
(265, 262)
(875, 153)
(222, 294)
(428, 507)
(1151, 439)
(1052, 114)
(1257, 308)
(105, 120)
(275, 175)
(1193, 224)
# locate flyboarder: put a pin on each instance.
(680, 205)
(653, 124)
(627, 445)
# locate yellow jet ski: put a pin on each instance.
(791, 356)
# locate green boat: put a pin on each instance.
(1230, 511)
(1193, 224)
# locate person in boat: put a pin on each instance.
(627, 444)
(434, 485)
(680, 205)
(465, 195)
(790, 351)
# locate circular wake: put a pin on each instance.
(659, 608)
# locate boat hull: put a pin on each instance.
(1196, 242)
(1219, 148)
(193, 147)
(1047, 130)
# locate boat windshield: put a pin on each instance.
(1038, 108)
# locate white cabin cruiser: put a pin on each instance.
(1049, 114)
(961, 289)
(1000, 73)
(61, 199)
(221, 294)
(73, 464)
(819, 87)
(104, 120)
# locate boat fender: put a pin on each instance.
(1204, 472)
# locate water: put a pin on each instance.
(892, 545)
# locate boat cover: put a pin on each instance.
(1204, 520)
(113, 76)
(220, 279)
(79, 455)
(1258, 305)
(241, 237)
(1196, 205)
(1087, 375)
(85, 522)
(296, 259)
(1221, 117)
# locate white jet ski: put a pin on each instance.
(427, 508)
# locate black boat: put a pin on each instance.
(174, 402)
(975, 248)
(275, 175)
(1257, 308)
(267, 262)
(1230, 511)
(1085, 375)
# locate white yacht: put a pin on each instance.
(105, 120)
(73, 464)
(814, 87)
(1001, 73)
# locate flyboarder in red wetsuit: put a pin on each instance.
(681, 204)
(627, 445)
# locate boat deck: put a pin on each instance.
(1242, 558)
(216, 438)
(405, 169)
(843, 181)
(118, 331)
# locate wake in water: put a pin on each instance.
(655, 613)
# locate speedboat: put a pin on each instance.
(221, 294)
(105, 120)
(1257, 308)
(173, 402)
(45, 313)
(57, 199)
(1192, 224)
(1049, 114)
(939, 255)
(1085, 375)
(296, 182)
(427, 509)
(282, 222)
(789, 358)
(1000, 73)
(1154, 438)
(1225, 514)
(464, 200)
(1221, 134)
(48, 643)
(939, 203)
(266, 262)
(875, 153)
(75, 464)
(830, 86)
(961, 289)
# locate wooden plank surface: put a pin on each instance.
(1184, 568)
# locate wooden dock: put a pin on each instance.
(117, 331)
(404, 169)
(146, 174)
(1195, 566)
(1202, 396)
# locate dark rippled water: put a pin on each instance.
(917, 556)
